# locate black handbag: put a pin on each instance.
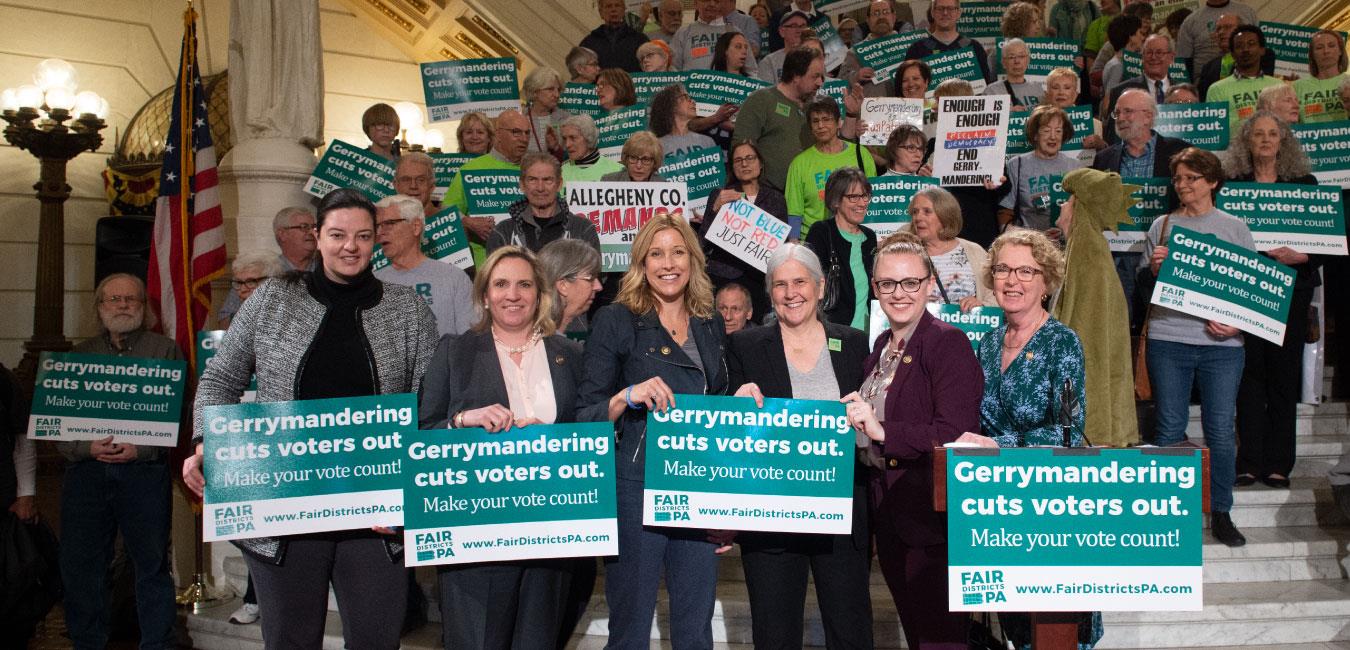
(831, 298)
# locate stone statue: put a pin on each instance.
(276, 71)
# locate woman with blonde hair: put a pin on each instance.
(641, 157)
(660, 337)
(510, 370)
(474, 134)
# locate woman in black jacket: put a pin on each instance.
(743, 171)
(1266, 151)
(510, 369)
(845, 247)
(802, 357)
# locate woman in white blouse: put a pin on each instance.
(935, 216)
(510, 370)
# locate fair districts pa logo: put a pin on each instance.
(434, 545)
(230, 520)
(671, 507)
(981, 587)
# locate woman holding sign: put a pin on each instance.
(511, 369)
(1184, 350)
(1266, 151)
(744, 169)
(336, 332)
(921, 390)
(660, 337)
(802, 357)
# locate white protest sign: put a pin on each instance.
(881, 115)
(972, 139)
(747, 232)
(619, 210)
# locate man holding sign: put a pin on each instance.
(508, 148)
(943, 37)
(108, 481)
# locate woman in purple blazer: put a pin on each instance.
(922, 390)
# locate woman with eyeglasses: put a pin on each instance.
(641, 157)
(1033, 369)
(845, 246)
(1184, 351)
(380, 122)
(743, 172)
(249, 270)
(905, 149)
(801, 357)
(921, 389)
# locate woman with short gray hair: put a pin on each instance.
(584, 162)
(846, 246)
(802, 357)
(572, 268)
(542, 90)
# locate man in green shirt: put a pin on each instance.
(811, 169)
(772, 117)
(513, 132)
(1244, 86)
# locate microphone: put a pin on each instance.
(1066, 401)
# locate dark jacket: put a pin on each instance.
(625, 349)
(928, 46)
(756, 355)
(823, 238)
(933, 399)
(1108, 160)
(1138, 83)
(523, 229)
(466, 374)
(616, 47)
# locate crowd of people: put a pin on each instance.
(534, 332)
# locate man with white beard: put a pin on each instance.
(118, 487)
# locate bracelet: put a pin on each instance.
(628, 397)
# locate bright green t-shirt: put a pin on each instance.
(808, 174)
(1318, 100)
(455, 195)
(1241, 95)
(1095, 37)
(860, 290)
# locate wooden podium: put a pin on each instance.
(1057, 630)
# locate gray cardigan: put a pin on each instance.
(271, 336)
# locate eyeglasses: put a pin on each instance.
(856, 198)
(584, 278)
(745, 160)
(247, 283)
(1024, 273)
(1157, 52)
(945, 10)
(1129, 112)
(121, 300)
(912, 148)
(302, 227)
(387, 224)
(1187, 179)
(910, 285)
(643, 160)
(413, 180)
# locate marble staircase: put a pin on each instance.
(1285, 589)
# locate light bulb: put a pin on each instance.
(60, 97)
(434, 139)
(55, 73)
(409, 114)
(414, 135)
(29, 96)
(9, 100)
(102, 112)
(87, 102)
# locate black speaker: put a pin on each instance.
(122, 245)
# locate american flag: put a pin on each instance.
(188, 248)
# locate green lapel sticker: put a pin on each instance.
(783, 109)
(836, 345)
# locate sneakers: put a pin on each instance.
(1221, 525)
(246, 614)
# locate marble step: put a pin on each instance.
(1328, 418)
(1308, 502)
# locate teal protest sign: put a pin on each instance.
(1132, 237)
(491, 192)
(1080, 117)
(345, 165)
(619, 210)
(888, 210)
(208, 341)
(1133, 66)
(835, 50)
(835, 89)
(982, 21)
(883, 55)
(1164, 8)
(839, 6)
(444, 166)
(957, 64)
(580, 99)
(721, 462)
(454, 89)
(711, 89)
(1212, 279)
(647, 84)
(283, 468)
(975, 323)
(1046, 55)
(443, 239)
(93, 396)
(701, 170)
(1038, 529)
(1306, 218)
(616, 127)
(533, 492)
(1328, 147)
(1290, 43)
(1203, 125)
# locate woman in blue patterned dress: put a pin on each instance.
(1032, 363)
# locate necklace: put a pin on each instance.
(1009, 348)
(520, 349)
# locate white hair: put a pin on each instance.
(409, 208)
(794, 252)
(264, 262)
